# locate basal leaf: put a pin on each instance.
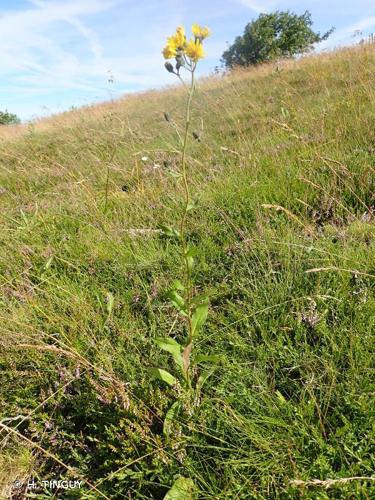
(183, 489)
(163, 375)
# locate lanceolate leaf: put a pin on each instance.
(177, 285)
(190, 262)
(163, 375)
(110, 303)
(170, 231)
(191, 206)
(171, 346)
(204, 376)
(183, 489)
(208, 358)
(189, 255)
(199, 316)
(177, 301)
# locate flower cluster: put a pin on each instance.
(186, 52)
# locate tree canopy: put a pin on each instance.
(271, 36)
(7, 118)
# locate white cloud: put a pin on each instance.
(67, 14)
(349, 34)
(363, 24)
(34, 56)
(259, 5)
(52, 55)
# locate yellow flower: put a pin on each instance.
(200, 31)
(178, 40)
(175, 43)
(169, 51)
(179, 37)
(194, 50)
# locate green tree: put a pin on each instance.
(271, 36)
(7, 118)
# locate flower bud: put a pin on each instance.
(169, 67)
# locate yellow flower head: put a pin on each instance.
(175, 43)
(200, 31)
(178, 40)
(194, 50)
(169, 51)
(179, 37)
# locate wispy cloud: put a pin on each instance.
(259, 6)
(363, 24)
(58, 53)
(29, 45)
(35, 57)
(51, 48)
(347, 34)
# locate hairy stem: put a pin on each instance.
(187, 201)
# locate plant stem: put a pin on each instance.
(187, 201)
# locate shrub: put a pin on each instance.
(7, 118)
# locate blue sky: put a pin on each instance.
(56, 54)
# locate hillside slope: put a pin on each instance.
(284, 180)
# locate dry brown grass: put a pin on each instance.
(129, 102)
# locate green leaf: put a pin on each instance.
(177, 285)
(110, 303)
(170, 232)
(205, 375)
(171, 346)
(177, 301)
(170, 417)
(208, 358)
(190, 262)
(173, 173)
(182, 489)
(189, 256)
(280, 396)
(191, 252)
(47, 265)
(191, 206)
(199, 316)
(164, 376)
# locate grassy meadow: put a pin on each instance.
(283, 175)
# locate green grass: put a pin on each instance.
(285, 181)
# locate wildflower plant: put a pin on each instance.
(183, 55)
